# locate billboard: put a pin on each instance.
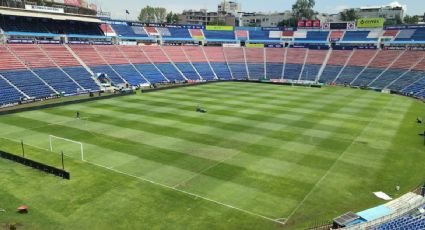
(309, 24)
(44, 9)
(370, 23)
(222, 28)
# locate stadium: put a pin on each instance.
(118, 124)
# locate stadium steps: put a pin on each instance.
(284, 61)
(110, 66)
(153, 64)
(274, 59)
(131, 63)
(82, 63)
(246, 64)
(174, 64)
(199, 60)
(30, 70)
(345, 66)
(236, 62)
(218, 61)
(182, 62)
(209, 63)
(366, 66)
(404, 201)
(325, 63)
(57, 66)
(388, 67)
(407, 72)
(304, 62)
(14, 86)
(255, 58)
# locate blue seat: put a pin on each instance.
(407, 79)
(219, 35)
(9, 94)
(130, 74)
(58, 80)
(387, 78)
(150, 72)
(367, 76)
(170, 71)
(28, 83)
(204, 70)
(256, 71)
(188, 71)
(82, 76)
(315, 36)
(239, 71)
(310, 72)
(348, 74)
(358, 36)
(274, 70)
(330, 73)
(222, 70)
(292, 71)
(108, 71)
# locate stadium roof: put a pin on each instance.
(36, 14)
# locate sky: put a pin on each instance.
(118, 7)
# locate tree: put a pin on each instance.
(303, 9)
(292, 22)
(349, 15)
(411, 20)
(172, 18)
(153, 14)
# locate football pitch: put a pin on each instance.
(263, 157)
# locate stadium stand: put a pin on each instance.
(256, 62)
(163, 63)
(336, 35)
(313, 63)
(335, 65)
(236, 60)
(215, 56)
(358, 61)
(175, 33)
(411, 35)
(359, 36)
(381, 62)
(242, 34)
(73, 68)
(216, 35)
(275, 60)
(178, 56)
(197, 34)
(198, 59)
(120, 64)
(46, 25)
(295, 60)
(314, 36)
(400, 67)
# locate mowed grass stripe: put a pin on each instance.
(258, 198)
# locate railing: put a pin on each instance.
(398, 213)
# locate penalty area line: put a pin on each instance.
(166, 186)
(189, 193)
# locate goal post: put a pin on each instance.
(79, 144)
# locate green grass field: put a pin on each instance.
(263, 154)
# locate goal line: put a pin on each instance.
(52, 137)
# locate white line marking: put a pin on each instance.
(167, 187)
(336, 161)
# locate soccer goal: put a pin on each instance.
(69, 147)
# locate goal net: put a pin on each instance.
(69, 147)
